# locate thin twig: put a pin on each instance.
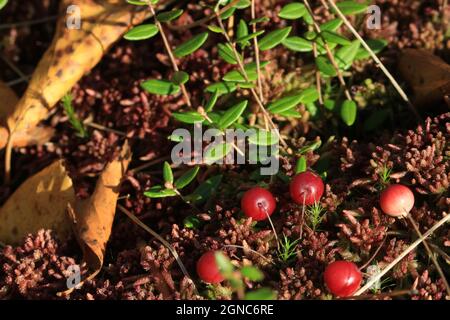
(329, 53)
(249, 249)
(169, 52)
(374, 254)
(27, 23)
(374, 57)
(318, 78)
(411, 247)
(430, 254)
(161, 239)
(149, 164)
(14, 68)
(203, 20)
(382, 295)
(103, 128)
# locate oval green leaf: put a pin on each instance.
(186, 178)
(293, 11)
(162, 87)
(159, 192)
(351, 7)
(348, 112)
(141, 32)
(191, 45)
(232, 114)
(190, 117)
(333, 37)
(167, 172)
(297, 44)
(180, 77)
(274, 38)
(169, 15)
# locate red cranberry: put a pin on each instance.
(397, 200)
(207, 268)
(306, 188)
(257, 203)
(342, 278)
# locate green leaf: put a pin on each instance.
(216, 152)
(250, 36)
(137, 3)
(308, 18)
(346, 55)
(205, 190)
(221, 87)
(211, 101)
(167, 173)
(351, 7)
(144, 31)
(191, 222)
(242, 31)
(274, 38)
(284, 104)
(215, 28)
(228, 13)
(169, 16)
(252, 273)
(291, 113)
(331, 25)
(309, 95)
(297, 44)
(310, 147)
(232, 114)
(312, 108)
(242, 4)
(224, 264)
(73, 118)
(300, 166)
(261, 294)
(226, 53)
(376, 45)
(162, 87)
(293, 11)
(321, 47)
(325, 66)
(333, 37)
(329, 104)
(159, 192)
(3, 3)
(191, 45)
(180, 77)
(263, 138)
(190, 117)
(186, 178)
(348, 112)
(258, 20)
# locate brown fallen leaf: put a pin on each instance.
(73, 53)
(37, 135)
(93, 218)
(427, 74)
(40, 202)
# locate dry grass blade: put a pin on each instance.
(160, 239)
(374, 57)
(374, 279)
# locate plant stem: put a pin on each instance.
(255, 42)
(161, 239)
(412, 246)
(169, 52)
(430, 254)
(249, 249)
(244, 74)
(374, 57)
(329, 53)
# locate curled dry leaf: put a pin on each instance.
(37, 135)
(40, 202)
(93, 218)
(427, 74)
(72, 53)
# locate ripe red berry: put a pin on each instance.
(342, 278)
(306, 188)
(207, 268)
(257, 203)
(397, 200)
